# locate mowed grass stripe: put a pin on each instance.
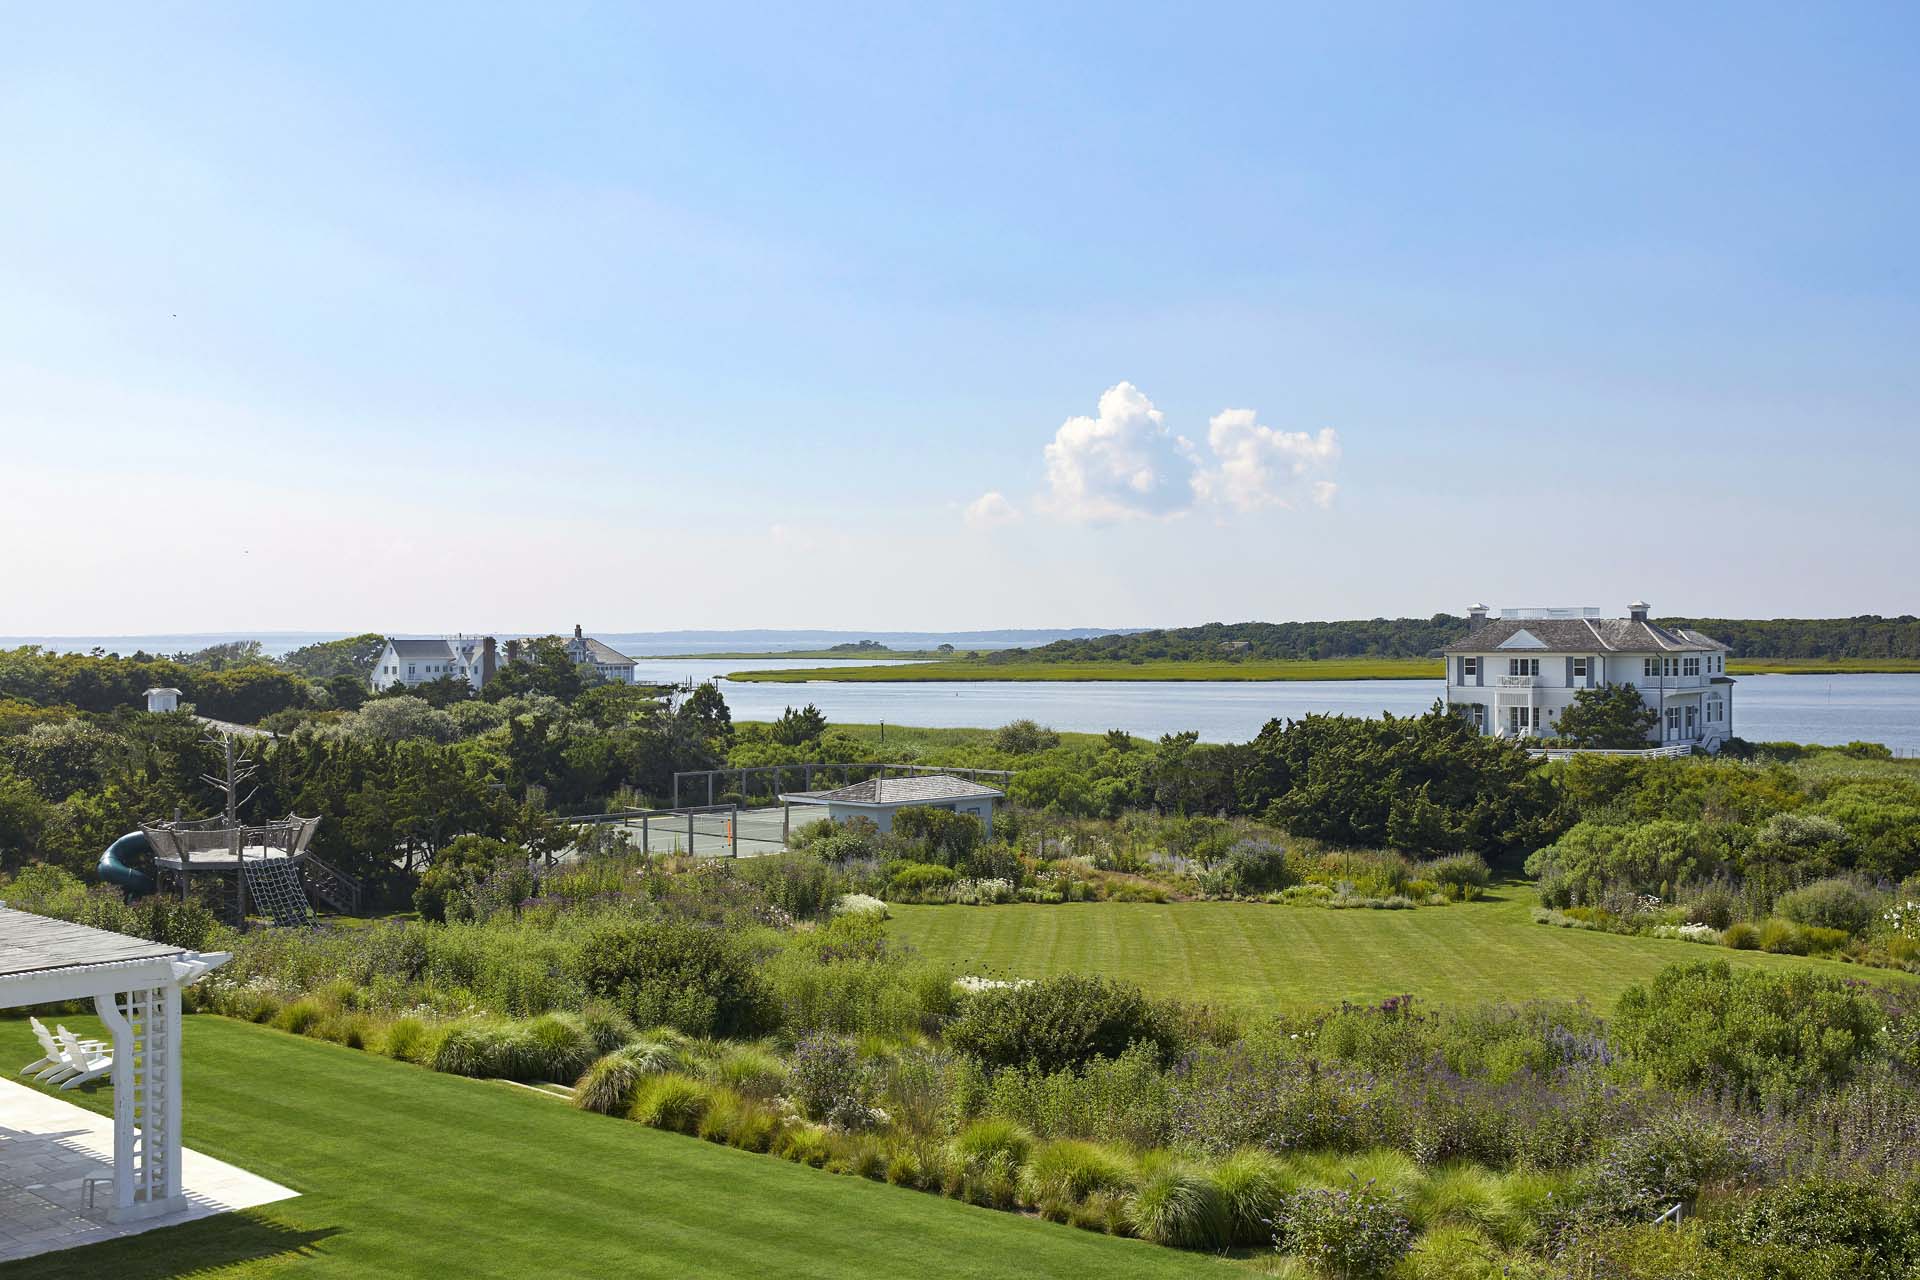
(1256, 954)
(407, 1173)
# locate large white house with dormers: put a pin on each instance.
(1513, 675)
(412, 662)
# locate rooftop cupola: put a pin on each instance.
(1638, 610)
(1477, 615)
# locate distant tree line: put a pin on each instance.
(1868, 636)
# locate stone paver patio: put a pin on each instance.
(49, 1148)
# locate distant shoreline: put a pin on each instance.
(916, 669)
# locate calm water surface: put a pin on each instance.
(1825, 709)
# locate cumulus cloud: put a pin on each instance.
(1121, 463)
(1255, 466)
(1126, 463)
(990, 510)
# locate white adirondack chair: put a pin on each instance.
(54, 1062)
(85, 1064)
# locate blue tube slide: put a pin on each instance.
(114, 867)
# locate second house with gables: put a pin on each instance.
(1513, 675)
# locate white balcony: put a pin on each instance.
(1519, 682)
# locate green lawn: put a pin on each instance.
(1251, 669)
(407, 1173)
(1258, 955)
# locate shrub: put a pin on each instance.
(830, 1083)
(1255, 1186)
(1070, 1170)
(1741, 936)
(1670, 1159)
(1782, 937)
(1177, 1205)
(671, 1101)
(1461, 876)
(1762, 1033)
(1356, 1233)
(859, 904)
(698, 979)
(917, 880)
(1058, 1023)
(1832, 904)
(1857, 1228)
(1024, 737)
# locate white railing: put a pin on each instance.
(1518, 682)
(1647, 753)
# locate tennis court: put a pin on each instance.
(720, 832)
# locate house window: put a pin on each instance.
(1523, 666)
(1673, 722)
(1650, 666)
(1469, 668)
(1579, 668)
(1693, 666)
(1520, 719)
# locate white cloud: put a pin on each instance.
(1121, 464)
(1256, 466)
(990, 510)
(1125, 463)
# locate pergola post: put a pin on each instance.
(145, 1024)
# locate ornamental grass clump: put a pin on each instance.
(1255, 1186)
(671, 1101)
(1175, 1204)
(985, 1141)
(1069, 1170)
(607, 1085)
(409, 1040)
(752, 1072)
(556, 1047)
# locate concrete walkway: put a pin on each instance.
(49, 1148)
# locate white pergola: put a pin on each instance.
(135, 987)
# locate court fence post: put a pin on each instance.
(691, 851)
(733, 825)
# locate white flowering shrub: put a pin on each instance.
(1688, 932)
(975, 893)
(859, 904)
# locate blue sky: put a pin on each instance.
(419, 319)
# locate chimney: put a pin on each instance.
(576, 631)
(1638, 610)
(1476, 617)
(489, 662)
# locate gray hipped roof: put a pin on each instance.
(882, 791)
(606, 654)
(1586, 635)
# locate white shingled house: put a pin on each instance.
(1513, 675)
(412, 662)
